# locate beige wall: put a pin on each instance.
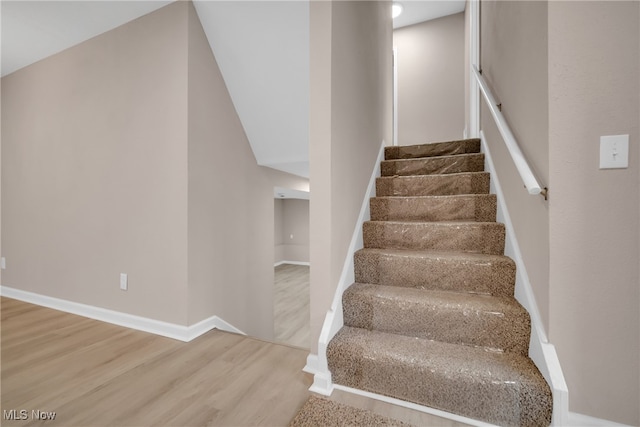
(350, 117)
(226, 194)
(513, 60)
(430, 80)
(566, 74)
(94, 170)
(292, 219)
(594, 90)
(125, 154)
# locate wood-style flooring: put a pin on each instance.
(92, 373)
(291, 311)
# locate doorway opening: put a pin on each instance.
(291, 302)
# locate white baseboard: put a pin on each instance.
(312, 366)
(580, 420)
(541, 351)
(292, 263)
(157, 327)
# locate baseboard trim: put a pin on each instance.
(580, 420)
(312, 366)
(292, 263)
(414, 406)
(157, 327)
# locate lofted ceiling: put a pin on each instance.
(261, 48)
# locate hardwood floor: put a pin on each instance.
(291, 311)
(92, 373)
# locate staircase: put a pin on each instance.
(431, 318)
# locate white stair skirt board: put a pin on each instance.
(165, 329)
(333, 321)
(292, 263)
(541, 351)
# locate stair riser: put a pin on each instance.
(455, 208)
(430, 150)
(504, 328)
(487, 238)
(433, 185)
(434, 165)
(491, 278)
(467, 390)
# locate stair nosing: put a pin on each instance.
(480, 350)
(425, 294)
(432, 174)
(413, 159)
(437, 223)
(432, 251)
(437, 196)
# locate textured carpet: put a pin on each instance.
(322, 412)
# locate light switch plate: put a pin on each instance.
(614, 152)
(124, 281)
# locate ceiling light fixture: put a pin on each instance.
(396, 9)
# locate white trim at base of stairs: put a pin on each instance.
(541, 351)
(157, 327)
(580, 420)
(292, 263)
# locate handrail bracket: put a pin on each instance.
(545, 193)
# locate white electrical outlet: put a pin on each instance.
(124, 281)
(3, 263)
(614, 152)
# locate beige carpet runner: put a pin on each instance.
(432, 317)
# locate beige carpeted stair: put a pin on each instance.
(431, 318)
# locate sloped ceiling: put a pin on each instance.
(262, 49)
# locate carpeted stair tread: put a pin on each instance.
(433, 185)
(477, 237)
(433, 165)
(433, 149)
(500, 388)
(466, 207)
(499, 323)
(321, 412)
(432, 317)
(453, 271)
